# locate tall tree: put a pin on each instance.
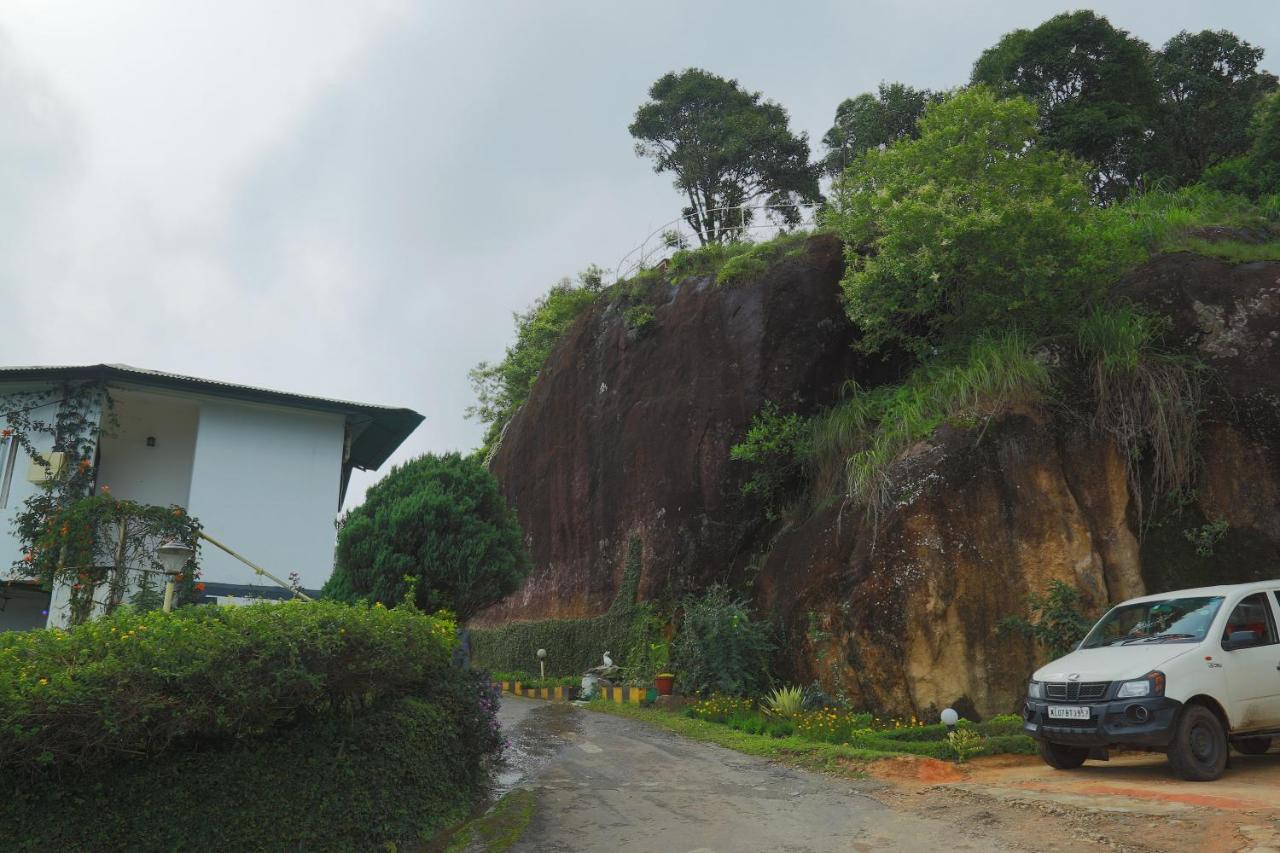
(1211, 87)
(727, 147)
(1093, 85)
(871, 120)
(437, 523)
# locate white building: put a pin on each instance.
(264, 471)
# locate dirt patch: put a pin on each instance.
(929, 771)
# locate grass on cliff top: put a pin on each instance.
(1160, 221)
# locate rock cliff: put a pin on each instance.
(627, 432)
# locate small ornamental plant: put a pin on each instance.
(965, 743)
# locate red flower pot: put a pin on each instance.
(665, 683)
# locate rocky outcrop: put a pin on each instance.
(627, 432)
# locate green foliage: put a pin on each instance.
(573, 645)
(1146, 398)
(1160, 221)
(440, 523)
(778, 448)
(1210, 86)
(858, 441)
(964, 743)
(503, 387)
(1256, 173)
(785, 701)
(103, 546)
(726, 147)
(1207, 536)
(500, 828)
(1093, 86)
(129, 685)
(871, 120)
(720, 648)
(1055, 621)
(389, 778)
(648, 652)
(970, 227)
(638, 318)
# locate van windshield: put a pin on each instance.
(1169, 620)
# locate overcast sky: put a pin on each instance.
(350, 199)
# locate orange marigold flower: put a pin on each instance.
(199, 587)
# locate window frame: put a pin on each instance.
(1268, 609)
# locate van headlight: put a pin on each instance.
(1151, 684)
(1035, 690)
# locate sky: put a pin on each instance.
(351, 199)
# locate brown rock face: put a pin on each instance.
(628, 433)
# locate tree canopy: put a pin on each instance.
(727, 147)
(976, 224)
(871, 120)
(1094, 87)
(437, 523)
(1210, 86)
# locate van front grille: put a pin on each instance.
(1075, 691)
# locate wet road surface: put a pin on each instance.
(607, 783)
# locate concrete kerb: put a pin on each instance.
(620, 694)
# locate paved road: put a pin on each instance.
(604, 783)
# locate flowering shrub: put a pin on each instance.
(832, 725)
(720, 709)
(130, 685)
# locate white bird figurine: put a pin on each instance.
(608, 661)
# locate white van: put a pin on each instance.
(1185, 673)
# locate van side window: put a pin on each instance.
(1253, 614)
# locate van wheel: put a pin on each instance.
(1198, 750)
(1252, 745)
(1062, 757)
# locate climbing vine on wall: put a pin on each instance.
(99, 546)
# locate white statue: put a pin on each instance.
(608, 661)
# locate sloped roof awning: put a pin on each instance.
(376, 431)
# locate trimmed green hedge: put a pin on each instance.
(398, 774)
(573, 645)
(131, 685)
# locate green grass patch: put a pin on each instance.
(1231, 251)
(499, 828)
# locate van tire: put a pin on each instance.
(1059, 756)
(1252, 745)
(1198, 749)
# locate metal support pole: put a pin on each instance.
(168, 595)
(266, 574)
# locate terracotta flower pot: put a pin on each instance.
(665, 683)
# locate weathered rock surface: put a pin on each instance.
(628, 433)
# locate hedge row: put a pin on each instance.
(131, 685)
(387, 779)
(573, 645)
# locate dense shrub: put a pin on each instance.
(130, 685)
(503, 387)
(573, 645)
(973, 226)
(438, 524)
(777, 447)
(1256, 173)
(395, 775)
(720, 648)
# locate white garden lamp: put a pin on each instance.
(173, 556)
(542, 662)
(950, 718)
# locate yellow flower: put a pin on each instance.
(44, 681)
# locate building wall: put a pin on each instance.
(159, 474)
(265, 482)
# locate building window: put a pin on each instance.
(8, 460)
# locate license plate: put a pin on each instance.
(1068, 712)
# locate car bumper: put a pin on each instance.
(1115, 723)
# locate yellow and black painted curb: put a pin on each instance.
(619, 694)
